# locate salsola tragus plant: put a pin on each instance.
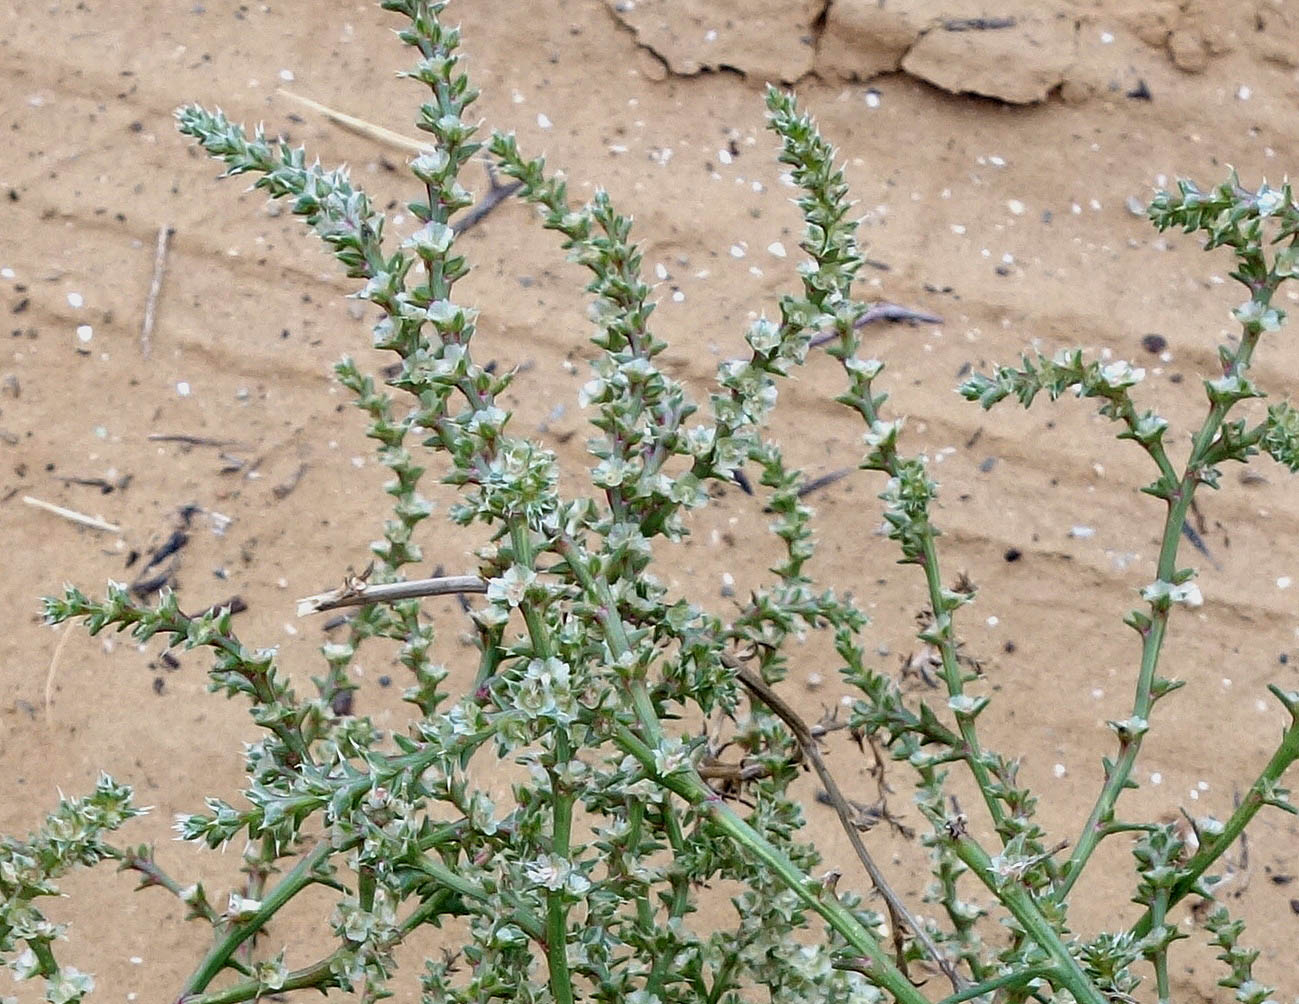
(592, 678)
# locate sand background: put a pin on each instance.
(997, 167)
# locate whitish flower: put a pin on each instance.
(763, 336)
(549, 871)
(1120, 374)
(432, 238)
(511, 587)
(241, 908)
(70, 985)
(1187, 592)
(671, 757)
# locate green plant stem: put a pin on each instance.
(692, 788)
(153, 875)
(318, 976)
(1158, 913)
(1189, 875)
(1019, 901)
(556, 941)
(1015, 979)
(722, 978)
(447, 878)
(293, 883)
(689, 786)
(1179, 503)
(973, 752)
(677, 908)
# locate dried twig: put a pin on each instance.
(91, 521)
(899, 915)
(362, 127)
(882, 311)
(496, 192)
(49, 673)
(155, 288)
(169, 437)
(355, 592)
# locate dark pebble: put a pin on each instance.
(1154, 344)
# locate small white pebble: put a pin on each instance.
(957, 228)
(84, 333)
(1283, 582)
(1261, 705)
(8, 273)
(737, 251)
(136, 960)
(661, 270)
(1097, 693)
(993, 621)
(777, 249)
(814, 680)
(755, 271)
(1195, 795)
(75, 300)
(678, 297)
(728, 584)
(1226, 681)
(1008, 259)
(1059, 770)
(1243, 92)
(710, 35)
(872, 99)
(543, 121)
(1202, 785)
(996, 161)
(1016, 207)
(1106, 38)
(358, 461)
(282, 582)
(286, 76)
(1075, 208)
(1082, 532)
(183, 388)
(724, 156)
(1156, 778)
(1095, 204)
(290, 628)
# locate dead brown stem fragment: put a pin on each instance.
(357, 593)
(155, 289)
(899, 915)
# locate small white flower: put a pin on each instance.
(511, 587)
(1121, 373)
(241, 908)
(549, 871)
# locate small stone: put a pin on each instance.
(1188, 51)
(1153, 343)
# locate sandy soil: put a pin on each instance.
(994, 164)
